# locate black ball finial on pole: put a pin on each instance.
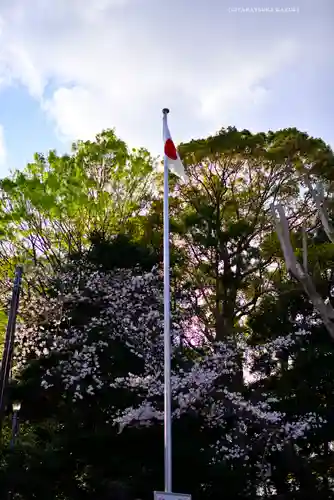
(165, 111)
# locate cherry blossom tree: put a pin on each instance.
(96, 341)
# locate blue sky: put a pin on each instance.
(27, 129)
(69, 71)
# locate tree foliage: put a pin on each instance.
(50, 209)
(251, 359)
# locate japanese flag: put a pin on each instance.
(172, 156)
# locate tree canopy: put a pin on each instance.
(252, 379)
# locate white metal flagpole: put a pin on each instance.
(167, 339)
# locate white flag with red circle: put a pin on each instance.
(172, 156)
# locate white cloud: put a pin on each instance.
(77, 112)
(242, 85)
(2, 146)
(111, 63)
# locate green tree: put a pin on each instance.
(50, 210)
(229, 280)
(225, 251)
(54, 207)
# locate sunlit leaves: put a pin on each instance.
(58, 201)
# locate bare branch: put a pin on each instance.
(319, 200)
(304, 237)
(325, 311)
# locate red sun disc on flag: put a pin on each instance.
(170, 149)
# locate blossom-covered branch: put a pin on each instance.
(80, 333)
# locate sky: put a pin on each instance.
(71, 70)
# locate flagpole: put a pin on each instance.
(167, 338)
